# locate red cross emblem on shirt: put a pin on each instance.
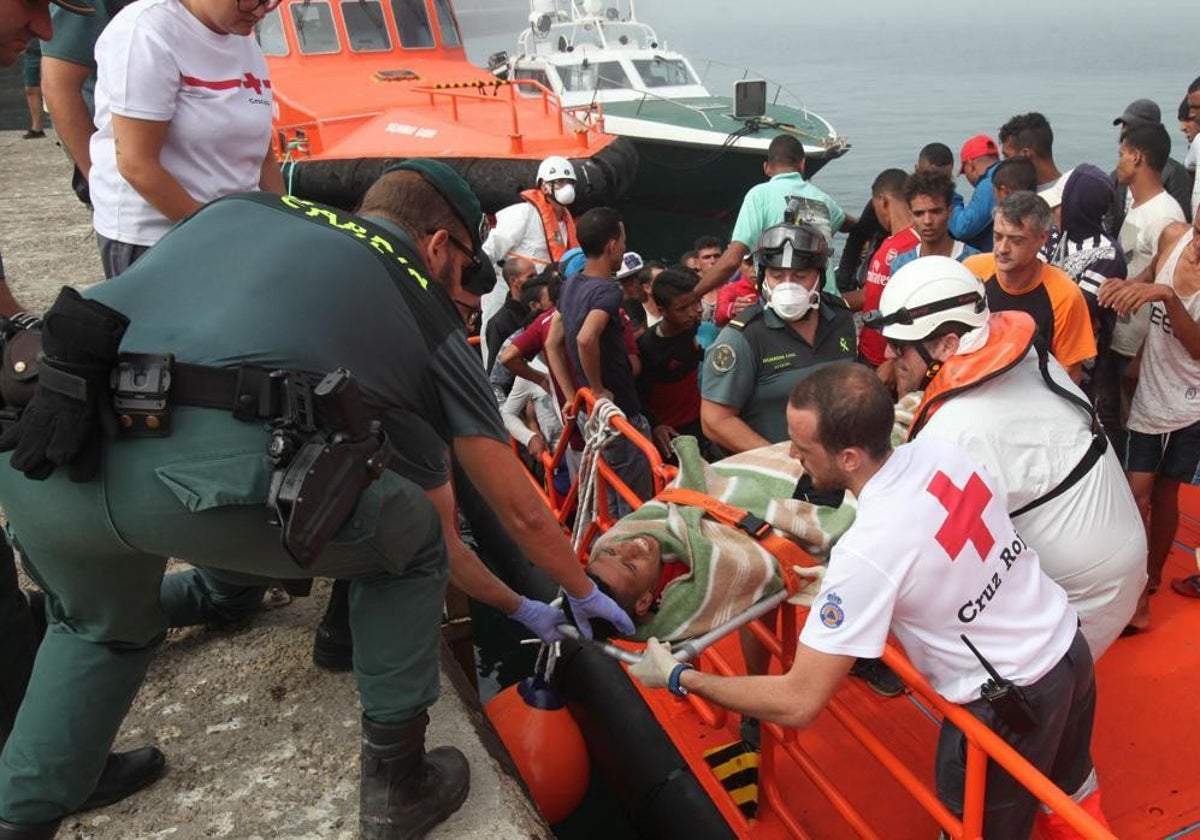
(964, 514)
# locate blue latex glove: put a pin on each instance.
(541, 619)
(598, 605)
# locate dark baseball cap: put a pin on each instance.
(457, 193)
(1140, 112)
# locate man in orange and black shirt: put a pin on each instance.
(1016, 278)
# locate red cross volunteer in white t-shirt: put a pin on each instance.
(932, 556)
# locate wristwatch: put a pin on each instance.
(673, 685)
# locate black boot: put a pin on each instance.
(44, 831)
(125, 773)
(404, 791)
(333, 646)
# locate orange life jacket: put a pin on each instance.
(554, 238)
(1010, 335)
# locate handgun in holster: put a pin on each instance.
(1006, 698)
(314, 491)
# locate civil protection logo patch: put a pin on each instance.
(832, 614)
(723, 358)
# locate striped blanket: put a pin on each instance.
(729, 569)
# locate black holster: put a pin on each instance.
(318, 482)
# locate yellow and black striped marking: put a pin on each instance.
(736, 766)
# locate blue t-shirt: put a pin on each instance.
(961, 251)
(580, 295)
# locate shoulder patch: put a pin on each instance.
(832, 614)
(746, 316)
(723, 357)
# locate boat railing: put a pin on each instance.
(649, 94)
(740, 72)
(779, 631)
(489, 93)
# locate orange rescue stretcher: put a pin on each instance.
(814, 782)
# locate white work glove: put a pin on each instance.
(813, 575)
(656, 665)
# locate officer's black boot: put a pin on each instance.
(333, 646)
(44, 831)
(125, 773)
(404, 791)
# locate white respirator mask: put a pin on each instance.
(791, 301)
(565, 194)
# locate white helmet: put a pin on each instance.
(925, 294)
(555, 168)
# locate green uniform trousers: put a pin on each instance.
(99, 550)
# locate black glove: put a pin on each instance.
(13, 324)
(62, 424)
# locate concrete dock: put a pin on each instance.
(259, 742)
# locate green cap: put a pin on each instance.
(455, 190)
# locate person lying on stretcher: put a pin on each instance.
(679, 572)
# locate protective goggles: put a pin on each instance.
(792, 246)
(875, 319)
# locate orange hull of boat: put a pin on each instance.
(413, 103)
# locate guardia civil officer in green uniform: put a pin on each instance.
(262, 302)
(758, 358)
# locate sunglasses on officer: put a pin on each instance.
(457, 243)
(253, 5)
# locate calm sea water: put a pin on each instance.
(892, 79)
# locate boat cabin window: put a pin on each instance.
(412, 21)
(365, 26)
(269, 32)
(314, 28)
(600, 75)
(536, 75)
(447, 25)
(664, 72)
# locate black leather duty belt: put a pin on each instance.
(145, 386)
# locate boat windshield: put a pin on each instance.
(365, 26)
(664, 72)
(314, 27)
(412, 20)
(447, 25)
(600, 75)
(269, 32)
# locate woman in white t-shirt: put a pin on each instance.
(183, 112)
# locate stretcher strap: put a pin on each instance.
(786, 552)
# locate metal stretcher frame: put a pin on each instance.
(781, 642)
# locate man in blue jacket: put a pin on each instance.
(973, 223)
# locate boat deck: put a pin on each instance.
(1145, 741)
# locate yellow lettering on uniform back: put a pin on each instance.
(380, 244)
(357, 229)
(418, 277)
